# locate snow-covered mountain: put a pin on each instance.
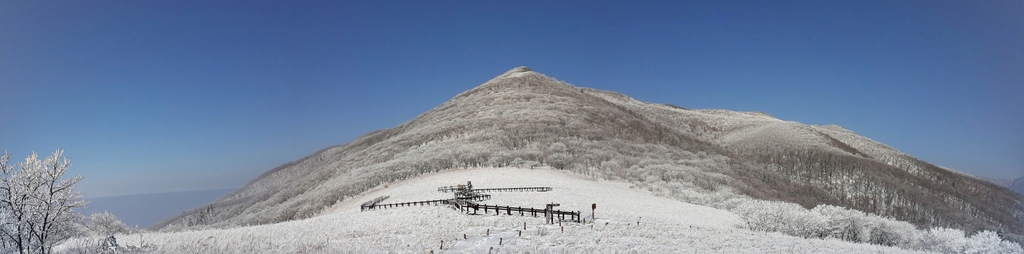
(525, 119)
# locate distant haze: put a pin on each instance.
(145, 210)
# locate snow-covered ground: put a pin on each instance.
(665, 225)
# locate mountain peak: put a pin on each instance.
(519, 79)
(523, 118)
(515, 72)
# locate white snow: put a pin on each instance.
(615, 200)
(665, 225)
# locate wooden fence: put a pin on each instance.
(370, 204)
(523, 211)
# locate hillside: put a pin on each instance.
(711, 157)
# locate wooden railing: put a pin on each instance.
(523, 211)
(466, 198)
(448, 189)
(413, 203)
(371, 203)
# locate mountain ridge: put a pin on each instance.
(524, 118)
(1016, 185)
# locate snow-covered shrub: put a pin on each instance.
(1010, 247)
(947, 240)
(558, 160)
(856, 226)
(845, 224)
(983, 242)
(826, 221)
(782, 217)
(989, 242)
(611, 169)
(944, 240)
(105, 224)
(893, 233)
(105, 245)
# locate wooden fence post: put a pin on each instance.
(592, 208)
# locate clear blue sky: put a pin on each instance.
(156, 96)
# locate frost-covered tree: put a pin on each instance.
(37, 203)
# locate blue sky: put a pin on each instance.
(157, 96)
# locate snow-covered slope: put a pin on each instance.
(665, 225)
(712, 157)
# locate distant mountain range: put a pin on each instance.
(525, 119)
(1016, 185)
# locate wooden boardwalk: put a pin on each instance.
(517, 189)
(455, 202)
(413, 203)
(466, 198)
(474, 208)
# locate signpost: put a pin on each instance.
(548, 214)
(592, 208)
